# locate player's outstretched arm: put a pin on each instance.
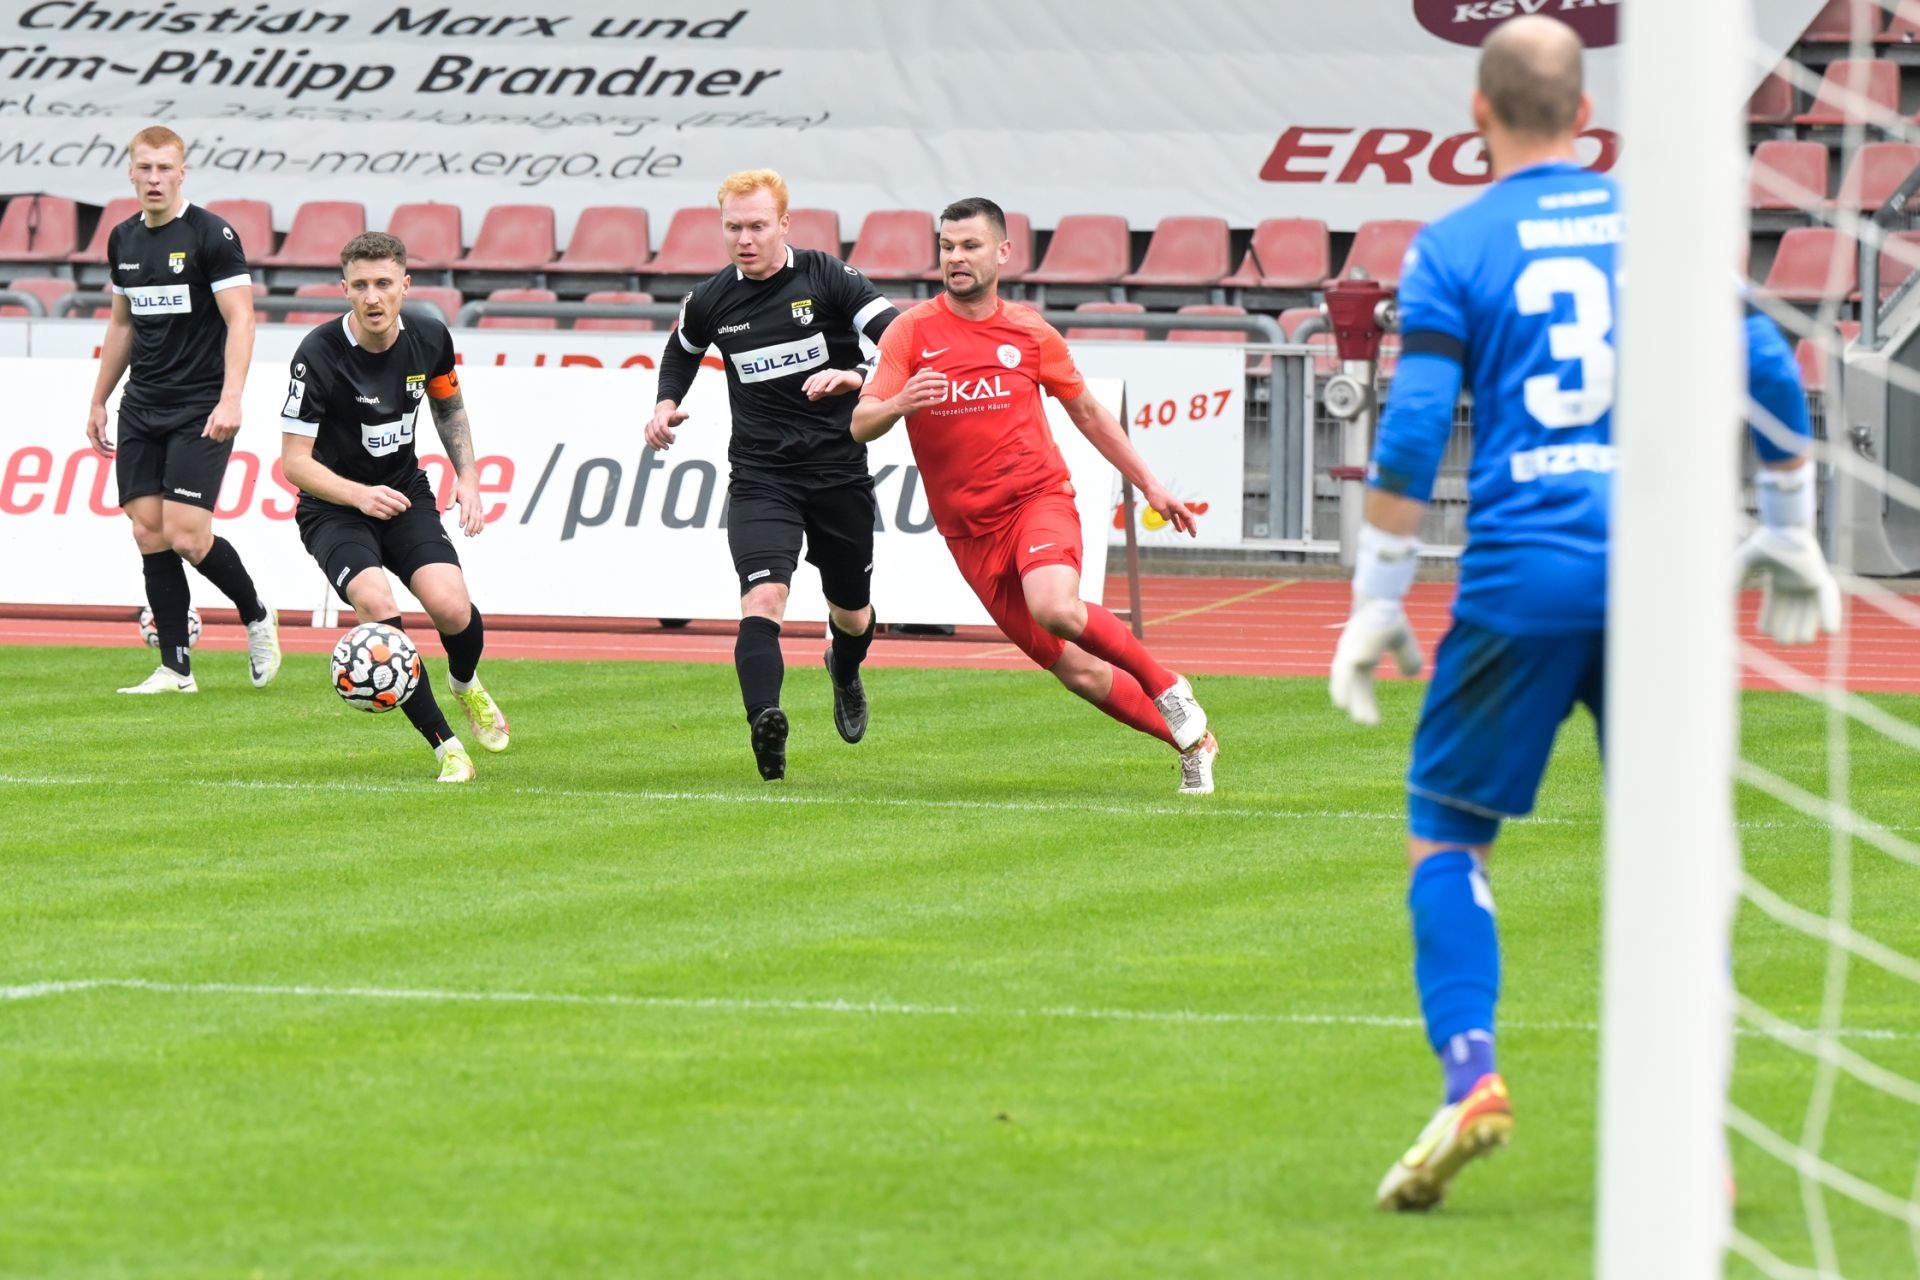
(456, 434)
(1799, 597)
(236, 308)
(116, 353)
(1100, 427)
(1383, 571)
(310, 475)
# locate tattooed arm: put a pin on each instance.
(450, 419)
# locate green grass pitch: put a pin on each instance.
(980, 997)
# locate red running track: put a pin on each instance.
(1200, 626)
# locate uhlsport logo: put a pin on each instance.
(1470, 22)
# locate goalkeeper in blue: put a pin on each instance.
(1513, 297)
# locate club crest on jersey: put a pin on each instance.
(416, 385)
(803, 311)
(176, 262)
(1009, 355)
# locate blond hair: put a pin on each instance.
(157, 135)
(748, 181)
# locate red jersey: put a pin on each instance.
(987, 449)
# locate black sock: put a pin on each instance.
(168, 597)
(463, 650)
(421, 707)
(850, 651)
(756, 657)
(221, 566)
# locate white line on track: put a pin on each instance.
(733, 1004)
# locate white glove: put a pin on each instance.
(1798, 595)
(1376, 627)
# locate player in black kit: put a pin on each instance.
(183, 323)
(790, 324)
(365, 505)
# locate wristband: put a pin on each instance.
(1384, 566)
(1786, 497)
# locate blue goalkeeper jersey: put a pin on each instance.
(1513, 297)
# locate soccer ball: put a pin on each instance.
(375, 667)
(149, 634)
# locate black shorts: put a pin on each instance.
(162, 451)
(766, 519)
(346, 540)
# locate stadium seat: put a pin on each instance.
(39, 231)
(694, 245)
(1815, 365)
(1293, 317)
(1773, 104)
(1898, 258)
(1184, 253)
(607, 251)
(252, 221)
(1834, 24)
(90, 263)
(514, 240)
(318, 289)
(448, 299)
(520, 322)
(1787, 177)
(321, 228)
(1257, 365)
(1087, 255)
(1287, 253)
(1905, 27)
(608, 324)
(1876, 172)
(48, 289)
(814, 229)
(431, 233)
(1813, 264)
(1378, 248)
(1108, 335)
(1860, 82)
(894, 245)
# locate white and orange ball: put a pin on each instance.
(375, 667)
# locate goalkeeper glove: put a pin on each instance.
(1799, 597)
(1378, 625)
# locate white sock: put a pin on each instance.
(440, 752)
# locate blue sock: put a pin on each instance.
(1456, 960)
(1466, 1058)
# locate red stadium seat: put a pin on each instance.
(1108, 335)
(606, 240)
(1378, 248)
(1877, 170)
(320, 230)
(1835, 23)
(512, 237)
(1905, 27)
(814, 229)
(520, 322)
(1899, 256)
(322, 289)
(39, 229)
(894, 244)
(1088, 249)
(252, 221)
(1257, 365)
(694, 245)
(1773, 103)
(1184, 253)
(1788, 175)
(1287, 253)
(1853, 89)
(609, 323)
(1293, 317)
(431, 233)
(445, 297)
(1813, 264)
(48, 289)
(1815, 363)
(116, 212)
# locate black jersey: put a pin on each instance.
(775, 334)
(169, 275)
(361, 406)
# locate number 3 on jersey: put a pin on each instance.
(1583, 337)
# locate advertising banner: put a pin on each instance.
(1245, 109)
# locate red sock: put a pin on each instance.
(1105, 637)
(1128, 703)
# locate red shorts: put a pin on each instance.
(1045, 531)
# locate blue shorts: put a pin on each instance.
(1488, 726)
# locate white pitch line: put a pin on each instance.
(871, 1008)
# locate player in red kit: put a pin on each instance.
(966, 371)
